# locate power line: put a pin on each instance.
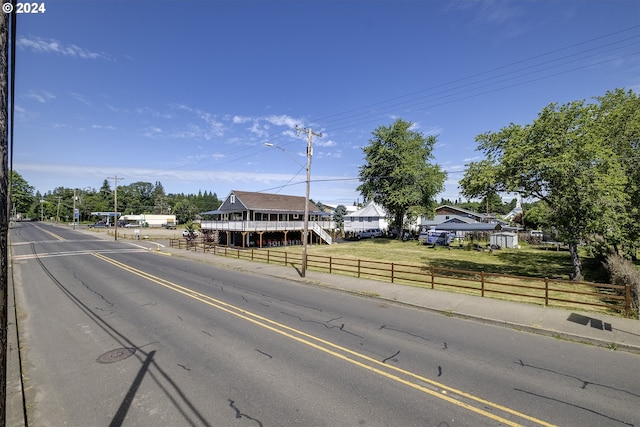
(461, 89)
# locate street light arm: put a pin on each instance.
(269, 144)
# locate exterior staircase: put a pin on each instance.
(323, 234)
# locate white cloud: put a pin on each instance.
(239, 120)
(212, 126)
(52, 46)
(80, 98)
(152, 112)
(323, 143)
(152, 132)
(284, 120)
(40, 96)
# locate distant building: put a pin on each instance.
(515, 211)
(372, 216)
(148, 220)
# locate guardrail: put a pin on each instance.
(550, 292)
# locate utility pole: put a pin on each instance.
(115, 179)
(305, 232)
(7, 31)
(58, 210)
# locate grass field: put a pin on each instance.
(527, 261)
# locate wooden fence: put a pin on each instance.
(550, 292)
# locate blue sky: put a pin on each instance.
(187, 92)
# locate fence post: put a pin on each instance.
(546, 291)
(285, 258)
(393, 270)
(627, 300)
(330, 265)
(358, 268)
(433, 276)
(482, 284)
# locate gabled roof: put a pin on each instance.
(461, 211)
(372, 210)
(263, 202)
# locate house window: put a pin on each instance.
(232, 199)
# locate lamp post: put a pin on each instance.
(74, 208)
(305, 231)
(306, 210)
(115, 204)
(305, 227)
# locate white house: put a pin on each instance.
(371, 216)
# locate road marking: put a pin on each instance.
(54, 235)
(75, 253)
(437, 389)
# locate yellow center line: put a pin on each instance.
(320, 344)
(54, 235)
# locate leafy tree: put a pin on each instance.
(161, 205)
(22, 197)
(185, 210)
(492, 203)
(105, 195)
(618, 125)
(537, 216)
(338, 216)
(563, 160)
(397, 173)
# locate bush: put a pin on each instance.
(624, 272)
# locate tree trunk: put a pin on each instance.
(400, 224)
(576, 276)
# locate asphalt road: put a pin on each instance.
(114, 334)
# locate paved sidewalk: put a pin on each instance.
(602, 330)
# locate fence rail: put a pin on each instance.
(550, 292)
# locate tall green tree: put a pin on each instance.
(618, 125)
(22, 194)
(161, 205)
(563, 160)
(397, 172)
(338, 216)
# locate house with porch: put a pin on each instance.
(249, 219)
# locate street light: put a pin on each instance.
(268, 144)
(75, 216)
(305, 231)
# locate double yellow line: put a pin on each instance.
(391, 372)
(54, 235)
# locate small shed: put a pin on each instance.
(504, 239)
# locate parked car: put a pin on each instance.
(100, 224)
(187, 233)
(131, 225)
(371, 233)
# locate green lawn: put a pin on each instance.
(527, 261)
